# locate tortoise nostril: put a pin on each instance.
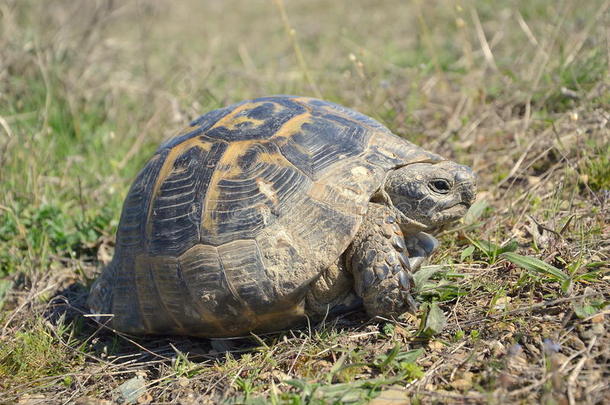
(465, 180)
(468, 196)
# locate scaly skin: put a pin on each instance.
(379, 261)
(430, 196)
(390, 245)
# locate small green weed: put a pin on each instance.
(401, 363)
(595, 168)
(490, 251)
(48, 229)
(33, 354)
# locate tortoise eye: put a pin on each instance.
(440, 186)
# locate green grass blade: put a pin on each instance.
(535, 265)
(475, 212)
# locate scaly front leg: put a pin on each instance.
(382, 262)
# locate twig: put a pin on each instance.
(519, 162)
(530, 387)
(529, 308)
(584, 35)
(297, 356)
(23, 305)
(576, 371)
(438, 365)
(295, 46)
(6, 127)
(526, 29)
(459, 398)
(120, 334)
(489, 56)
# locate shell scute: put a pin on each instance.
(257, 187)
(243, 267)
(173, 219)
(259, 119)
(323, 141)
(135, 206)
(197, 127)
(349, 113)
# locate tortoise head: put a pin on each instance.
(431, 195)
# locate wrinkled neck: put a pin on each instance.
(407, 225)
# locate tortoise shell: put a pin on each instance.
(231, 220)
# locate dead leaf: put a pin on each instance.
(436, 346)
(105, 251)
(599, 318)
(497, 348)
(463, 383)
(502, 303)
(146, 398)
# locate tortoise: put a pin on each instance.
(271, 210)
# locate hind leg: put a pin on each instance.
(332, 293)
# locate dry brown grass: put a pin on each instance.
(518, 91)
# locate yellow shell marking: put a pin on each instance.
(239, 120)
(227, 168)
(231, 120)
(166, 170)
(293, 125)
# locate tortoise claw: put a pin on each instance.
(368, 279)
(405, 280)
(420, 246)
(404, 260)
(427, 242)
(416, 262)
(411, 303)
(399, 243)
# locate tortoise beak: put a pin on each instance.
(466, 183)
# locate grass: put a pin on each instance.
(515, 303)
